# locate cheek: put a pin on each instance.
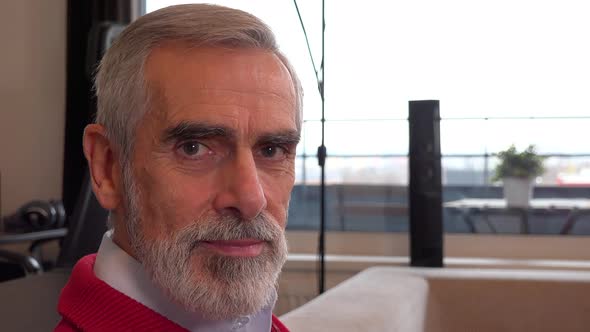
(277, 190)
(171, 203)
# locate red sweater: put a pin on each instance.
(89, 304)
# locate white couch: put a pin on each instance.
(433, 300)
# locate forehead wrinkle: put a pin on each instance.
(165, 104)
(251, 92)
(172, 110)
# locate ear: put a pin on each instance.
(104, 166)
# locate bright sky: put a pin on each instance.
(499, 58)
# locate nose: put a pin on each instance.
(240, 191)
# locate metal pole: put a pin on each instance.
(322, 162)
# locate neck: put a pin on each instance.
(121, 238)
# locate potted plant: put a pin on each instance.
(518, 171)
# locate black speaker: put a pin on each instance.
(425, 185)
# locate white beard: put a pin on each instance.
(213, 285)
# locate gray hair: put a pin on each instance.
(123, 96)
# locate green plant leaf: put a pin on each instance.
(526, 164)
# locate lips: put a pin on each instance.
(236, 248)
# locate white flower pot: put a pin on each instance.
(518, 192)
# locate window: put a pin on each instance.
(504, 71)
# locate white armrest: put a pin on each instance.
(376, 299)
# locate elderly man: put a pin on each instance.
(193, 150)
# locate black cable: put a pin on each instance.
(322, 151)
(307, 42)
(57, 233)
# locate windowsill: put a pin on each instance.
(351, 263)
(460, 246)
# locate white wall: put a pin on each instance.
(32, 100)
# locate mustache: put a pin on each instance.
(230, 227)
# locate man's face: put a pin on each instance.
(213, 169)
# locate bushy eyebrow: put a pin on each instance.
(287, 137)
(185, 131)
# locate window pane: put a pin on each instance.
(307, 170)
(367, 170)
(463, 136)
(466, 171)
(563, 136)
(499, 58)
(358, 138)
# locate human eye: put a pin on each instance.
(273, 152)
(193, 150)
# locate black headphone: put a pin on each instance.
(37, 216)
